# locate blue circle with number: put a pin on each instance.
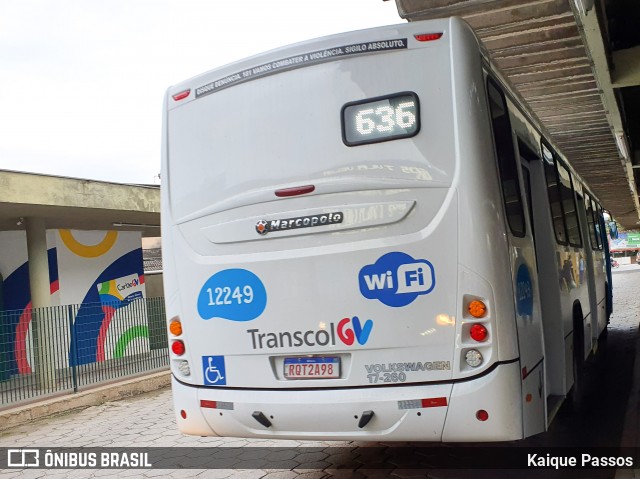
(233, 294)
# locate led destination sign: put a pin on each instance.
(380, 119)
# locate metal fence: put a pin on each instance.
(57, 349)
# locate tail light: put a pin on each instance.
(182, 95)
(428, 37)
(473, 357)
(478, 332)
(208, 404)
(178, 348)
(477, 309)
(482, 415)
(422, 403)
(183, 367)
(175, 327)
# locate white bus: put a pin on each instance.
(368, 237)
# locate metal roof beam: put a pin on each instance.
(594, 40)
(553, 52)
(627, 67)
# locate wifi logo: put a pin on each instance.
(396, 279)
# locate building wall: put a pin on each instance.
(100, 272)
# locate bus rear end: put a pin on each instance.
(311, 236)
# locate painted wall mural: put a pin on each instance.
(100, 273)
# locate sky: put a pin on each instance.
(82, 81)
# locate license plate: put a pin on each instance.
(312, 368)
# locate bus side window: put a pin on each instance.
(529, 156)
(597, 213)
(599, 217)
(505, 151)
(588, 208)
(569, 205)
(553, 190)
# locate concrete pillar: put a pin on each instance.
(40, 298)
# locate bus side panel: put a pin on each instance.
(483, 248)
(498, 394)
(554, 349)
(588, 270)
(185, 399)
(170, 272)
(534, 402)
(526, 298)
(600, 273)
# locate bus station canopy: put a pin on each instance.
(71, 203)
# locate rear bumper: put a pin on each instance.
(335, 414)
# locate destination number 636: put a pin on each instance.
(387, 117)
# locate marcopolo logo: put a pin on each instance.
(263, 226)
(397, 279)
(348, 332)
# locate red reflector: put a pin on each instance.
(428, 37)
(482, 415)
(478, 332)
(208, 404)
(295, 191)
(434, 402)
(183, 414)
(182, 95)
(178, 348)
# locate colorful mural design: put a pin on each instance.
(17, 298)
(102, 272)
(88, 251)
(111, 297)
(94, 318)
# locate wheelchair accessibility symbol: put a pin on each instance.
(214, 372)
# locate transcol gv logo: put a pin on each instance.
(349, 331)
(397, 279)
(357, 331)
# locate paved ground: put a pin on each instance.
(604, 419)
